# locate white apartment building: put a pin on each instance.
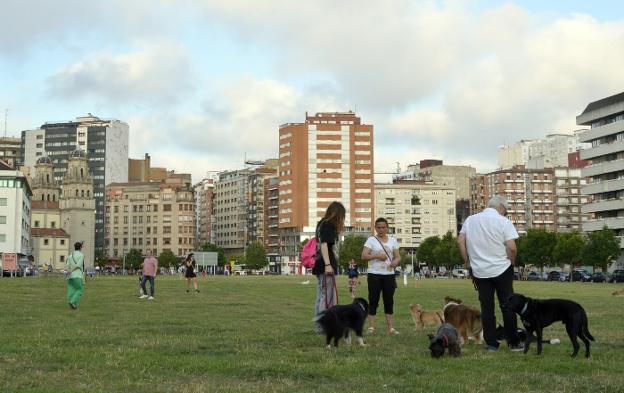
(416, 211)
(548, 152)
(606, 172)
(15, 194)
(230, 210)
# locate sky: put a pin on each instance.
(203, 84)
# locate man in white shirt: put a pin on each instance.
(487, 245)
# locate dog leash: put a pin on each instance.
(335, 289)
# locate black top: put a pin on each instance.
(327, 233)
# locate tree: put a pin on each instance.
(569, 249)
(100, 259)
(446, 253)
(424, 253)
(351, 248)
(209, 247)
(602, 248)
(537, 247)
(134, 259)
(256, 257)
(167, 259)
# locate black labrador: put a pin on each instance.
(538, 314)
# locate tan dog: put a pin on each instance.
(423, 317)
(618, 293)
(465, 318)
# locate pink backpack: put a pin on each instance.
(308, 254)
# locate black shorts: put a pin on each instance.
(190, 274)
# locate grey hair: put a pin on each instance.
(496, 201)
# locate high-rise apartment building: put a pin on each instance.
(327, 158)
(271, 220)
(15, 210)
(257, 200)
(606, 172)
(416, 210)
(154, 216)
(204, 202)
(106, 145)
(538, 197)
(230, 210)
(549, 152)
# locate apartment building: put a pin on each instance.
(230, 210)
(546, 198)
(605, 174)
(11, 151)
(271, 220)
(329, 157)
(142, 170)
(434, 171)
(549, 152)
(105, 142)
(257, 200)
(154, 216)
(204, 202)
(15, 210)
(416, 210)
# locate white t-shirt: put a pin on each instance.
(377, 266)
(486, 234)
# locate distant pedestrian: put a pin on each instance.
(75, 276)
(326, 266)
(190, 275)
(353, 274)
(150, 267)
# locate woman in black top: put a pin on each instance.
(326, 266)
(190, 275)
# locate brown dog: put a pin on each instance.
(465, 318)
(423, 317)
(618, 293)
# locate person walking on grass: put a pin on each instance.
(326, 266)
(75, 276)
(150, 266)
(488, 247)
(353, 273)
(382, 252)
(190, 275)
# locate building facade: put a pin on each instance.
(11, 151)
(546, 198)
(605, 187)
(204, 202)
(271, 220)
(15, 211)
(549, 152)
(327, 158)
(104, 141)
(230, 211)
(141, 170)
(150, 216)
(416, 210)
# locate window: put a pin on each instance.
(2, 238)
(62, 242)
(167, 208)
(53, 224)
(36, 222)
(62, 258)
(3, 201)
(46, 242)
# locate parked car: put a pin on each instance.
(617, 276)
(554, 275)
(598, 277)
(516, 276)
(460, 273)
(581, 275)
(533, 276)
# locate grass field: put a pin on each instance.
(254, 334)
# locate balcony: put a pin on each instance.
(603, 186)
(603, 167)
(602, 150)
(611, 204)
(596, 225)
(599, 132)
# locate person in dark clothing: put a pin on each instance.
(190, 275)
(327, 231)
(353, 274)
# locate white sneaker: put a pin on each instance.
(150, 298)
(143, 296)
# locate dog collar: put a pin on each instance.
(445, 340)
(526, 305)
(360, 304)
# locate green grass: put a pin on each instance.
(244, 334)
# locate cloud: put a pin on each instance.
(157, 74)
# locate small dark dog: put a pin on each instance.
(521, 336)
(538, 314)
(338, 321)
(446, 337)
